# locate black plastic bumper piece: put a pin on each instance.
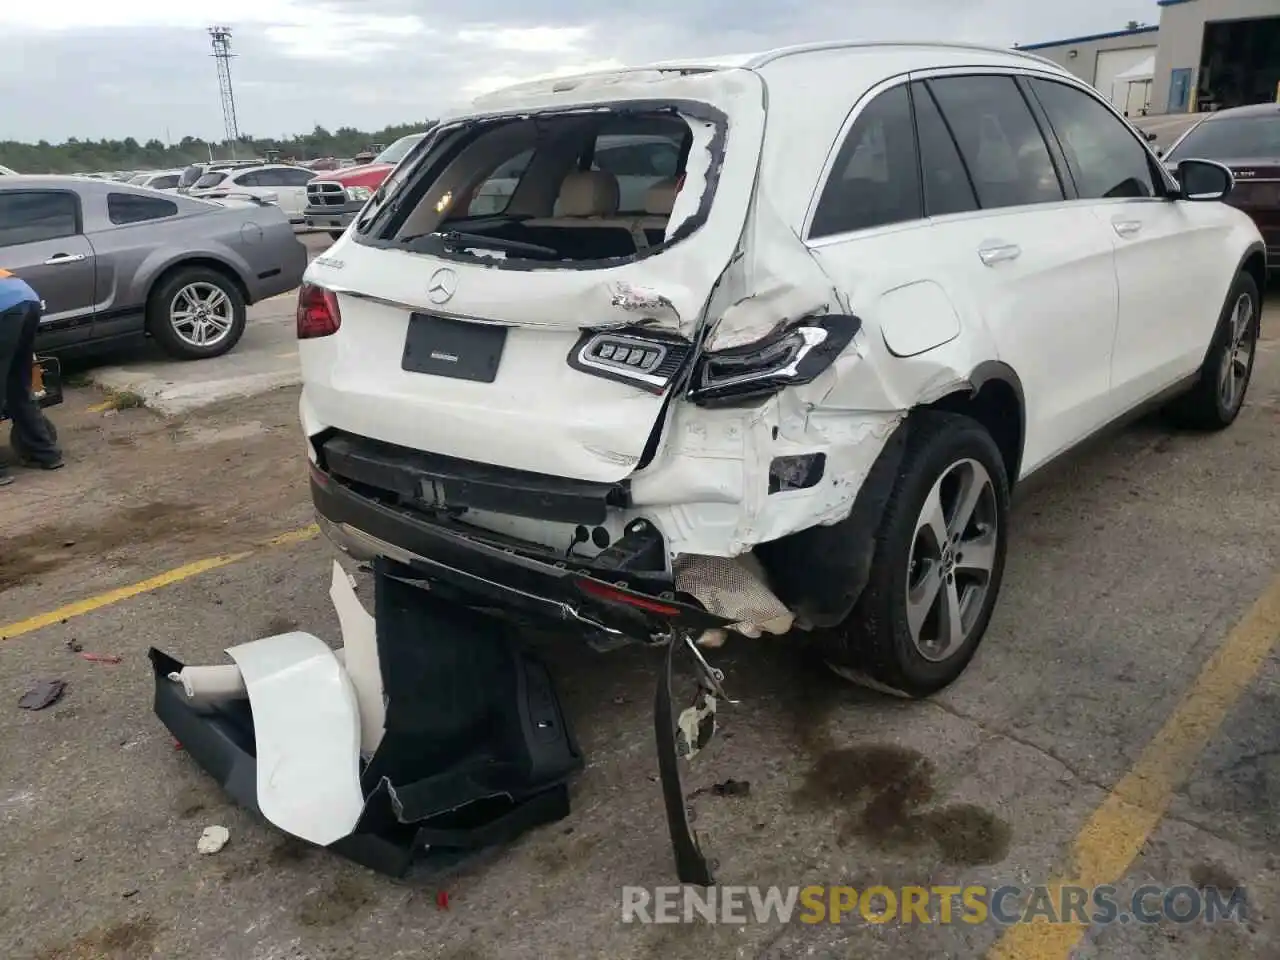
(476, 750)
(467, 485)
(494, 574)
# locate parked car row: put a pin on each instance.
(332, 199)
(113, 260)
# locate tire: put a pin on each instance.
(19, 448)
(1207, 406)
(335, 234)
(224, 305)
(876, 645)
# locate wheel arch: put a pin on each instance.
(204, 261)
(1254, 263)
(993, 396)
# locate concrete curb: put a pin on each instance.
(170, 398)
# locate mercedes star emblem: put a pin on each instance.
(442, 285)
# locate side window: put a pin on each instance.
(655, 160)
(875, 178)
(130, 208)
(638, 165)
(1106, 160)
(296, 178)
(164, 183)
(492, 196)
(30, 216)
(999, 140)
(947, 187)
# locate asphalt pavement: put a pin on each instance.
(1119, 727)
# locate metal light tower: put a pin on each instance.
(222, 54)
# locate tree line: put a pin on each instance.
(93, 156)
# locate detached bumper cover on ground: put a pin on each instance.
(472, 748)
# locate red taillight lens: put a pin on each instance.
(318, 314)
(610, 594)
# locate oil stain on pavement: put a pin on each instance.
(880, 793)
(335, 903)
(126, 940)
(30, 555)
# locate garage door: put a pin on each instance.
(1112, 63)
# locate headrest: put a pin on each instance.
(661, 198)
(589, 193)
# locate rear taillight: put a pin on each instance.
(602, 591)
(318, 314)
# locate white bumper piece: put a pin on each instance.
(314, 711)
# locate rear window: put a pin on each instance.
(568, 187)
(167, 182)
(210, 180)
(1231, 138)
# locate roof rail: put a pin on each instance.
(819, 46)
(748, 61)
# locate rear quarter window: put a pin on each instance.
(125, 208)
(874, 180)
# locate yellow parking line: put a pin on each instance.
(287, 356)
(1114, 835)
(88, 605)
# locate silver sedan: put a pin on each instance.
(112, 261)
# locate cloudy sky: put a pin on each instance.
(143, 68)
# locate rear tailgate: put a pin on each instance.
(541, 411)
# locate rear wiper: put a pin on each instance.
(455, 241)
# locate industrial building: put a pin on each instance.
(1202, 55)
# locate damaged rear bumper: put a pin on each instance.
(613, 601)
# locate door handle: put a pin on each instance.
(993, 253)
(58, 258)
(1127, 228)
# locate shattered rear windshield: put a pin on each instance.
(592, 184)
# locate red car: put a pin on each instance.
(334, 198)
(1247, 140)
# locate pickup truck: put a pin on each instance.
(335, 197)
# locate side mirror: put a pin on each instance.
(1204, 180)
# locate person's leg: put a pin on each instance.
(10, 333)
(38, 446)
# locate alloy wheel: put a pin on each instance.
(1237, 359)
(952, 560)
(201, 314)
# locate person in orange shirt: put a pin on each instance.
(19, 320)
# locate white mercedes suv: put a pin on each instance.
(788, 386)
